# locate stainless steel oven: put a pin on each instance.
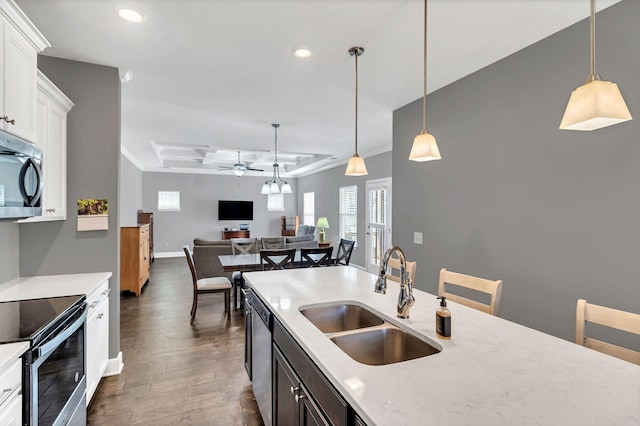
(54, 383)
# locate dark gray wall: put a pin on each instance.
(93, 153)
(326, 187)
(553, 213)
(130, 192)
(198, 218)
(9, 250)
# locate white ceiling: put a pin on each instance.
(215, 74)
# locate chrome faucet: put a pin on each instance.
(405, 298)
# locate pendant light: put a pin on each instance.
(272, 186)
(356, 166)
(597, 103)
(424, 146)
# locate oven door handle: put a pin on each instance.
(51, 345)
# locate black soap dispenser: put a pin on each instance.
(443, 320)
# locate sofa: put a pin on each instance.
(206, 252)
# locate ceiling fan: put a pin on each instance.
(239, 168)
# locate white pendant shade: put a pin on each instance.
(286, 188)
(356, 166)
(424, 148)
(274, 188)
(595, 105)
(266, 188)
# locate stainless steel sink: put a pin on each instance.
(382, 346)
(337, 318)
(365, 336)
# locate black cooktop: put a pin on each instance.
(34, 319)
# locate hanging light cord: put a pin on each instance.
(592, 39)
(424, 97)
(356, 55)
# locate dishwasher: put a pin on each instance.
(261, 357)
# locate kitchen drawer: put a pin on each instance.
(97, 296)
(11, 412)
(10, 381)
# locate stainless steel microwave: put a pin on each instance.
(20, 179)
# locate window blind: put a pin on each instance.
(275, 202)
(169, 201)
(308, 208)
(349, 212)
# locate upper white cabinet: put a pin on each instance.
(20, 42)
(52, 107)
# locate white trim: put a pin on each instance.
(17, 18)
(54, 92)
(114, 366)
(169, 254)
(124, 151)
(358, 266)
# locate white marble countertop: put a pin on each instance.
(44, 286)
(51, 286)
(492, 371)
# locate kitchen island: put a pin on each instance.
(492, 371)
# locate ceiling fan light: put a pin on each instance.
(274, 188)
(424, 148)
(266, 188)
(238, 172)
(356, 166)
(595, 105)
(286, 188)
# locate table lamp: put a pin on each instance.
(322, 224)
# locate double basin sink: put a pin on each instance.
(365, 336)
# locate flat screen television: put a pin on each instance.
(235, 210)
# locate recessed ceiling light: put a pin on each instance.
(131, 15)
(302, 52)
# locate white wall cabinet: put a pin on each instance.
(97, 346)
(20, 43)
(52, 108)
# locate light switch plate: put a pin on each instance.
(417, 237)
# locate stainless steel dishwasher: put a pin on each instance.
(261, 357)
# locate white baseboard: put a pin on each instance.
(114, 367)
(169, 254)
(362, 268)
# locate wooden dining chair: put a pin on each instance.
(207, 286)
(315, 257)
(241, 246)
(277, 259)
(273, 243)
(493, 288)
(345, 248)
(393, 270)
(612, 318)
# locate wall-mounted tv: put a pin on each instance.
(235, 210)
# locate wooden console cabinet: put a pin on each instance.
(134, 258)
(144, 217)
(227, 235)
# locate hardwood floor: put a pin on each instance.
(175, 373)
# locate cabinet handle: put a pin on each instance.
(93, 305)
(51, 210)
(100, 316)
(107, 291)
(6, 118)
(294, 389)
(299, 397)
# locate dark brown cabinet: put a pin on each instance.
(286, 387)
(227, 235)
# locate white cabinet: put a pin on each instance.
(20, 43)
(51, 112)
(97, 347)
(11, 395)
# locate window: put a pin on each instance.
(169, 201)
(275, 202)
(308, 208)
(349, 212)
